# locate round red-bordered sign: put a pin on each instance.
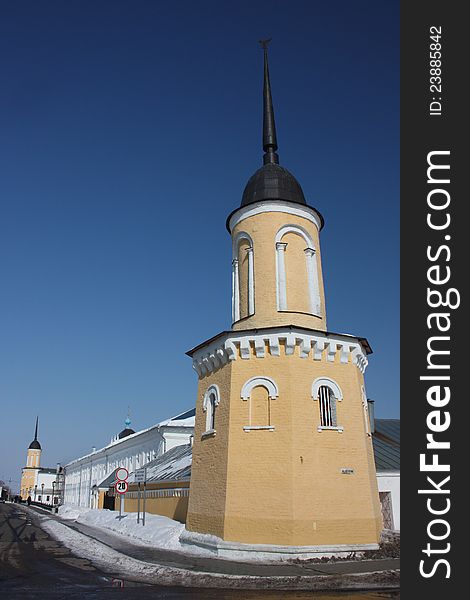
(122, 474)
(121, 487)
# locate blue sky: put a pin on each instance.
(129, 130)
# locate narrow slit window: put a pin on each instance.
(210, 403)
(212, 413)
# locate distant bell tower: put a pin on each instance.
(282, 455)
(33, 459)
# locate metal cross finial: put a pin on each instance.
(264, 43)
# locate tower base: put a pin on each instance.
(267, 552)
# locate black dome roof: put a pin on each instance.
(125, 432)
(272, 182)
(35, 445)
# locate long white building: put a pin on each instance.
(129, 449)
(85, 477)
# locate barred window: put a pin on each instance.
(327, 393)
(327, 407)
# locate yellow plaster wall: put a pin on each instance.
(173, 507)
(28, 481)
(29, 473)
(285, 486)
(263, 229)
(206, 508)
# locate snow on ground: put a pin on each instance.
(123, 566)
(158, 531)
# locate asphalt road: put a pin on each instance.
(34, 565)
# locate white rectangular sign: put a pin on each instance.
(140, 475)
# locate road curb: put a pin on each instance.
(123, 566)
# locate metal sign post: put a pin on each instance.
(140, 477)
(145, 495)
(121, 486)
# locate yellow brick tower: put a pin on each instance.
(30, 471)
(282, 459)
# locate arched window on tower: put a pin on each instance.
(243, 290)
(259, 393)
(210, 403)
(327, 392)
(296, 271)
(327, 407)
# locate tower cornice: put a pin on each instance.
(253, 343)
(283, 206)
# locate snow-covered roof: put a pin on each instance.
(185, 419)
(172, 465)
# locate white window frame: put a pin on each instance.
(311, 265)
(273, 393)
(208, 408)
(337, 395)
(365, 408)
(242, 235)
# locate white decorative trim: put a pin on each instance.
(283, 206)
(251, 282)
(312, 276)
(266, 382)
(212, 390)
(232, 346)
(208, 433)
(294, 229)
(311, 264)
(319, 348)
(319, 381)
(235, 291)
(338, 428)
(365, 409)
(281, 276)
(242, 235)
(255, 427)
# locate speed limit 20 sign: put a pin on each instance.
(121, 487)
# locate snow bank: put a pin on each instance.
(71, 513)
(128, 568)
(159, 531)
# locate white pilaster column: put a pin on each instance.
(312, 275)
(281, 276)
(235, 291)
(251, 282)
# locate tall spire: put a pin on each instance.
(35, 445)
(269, 125)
